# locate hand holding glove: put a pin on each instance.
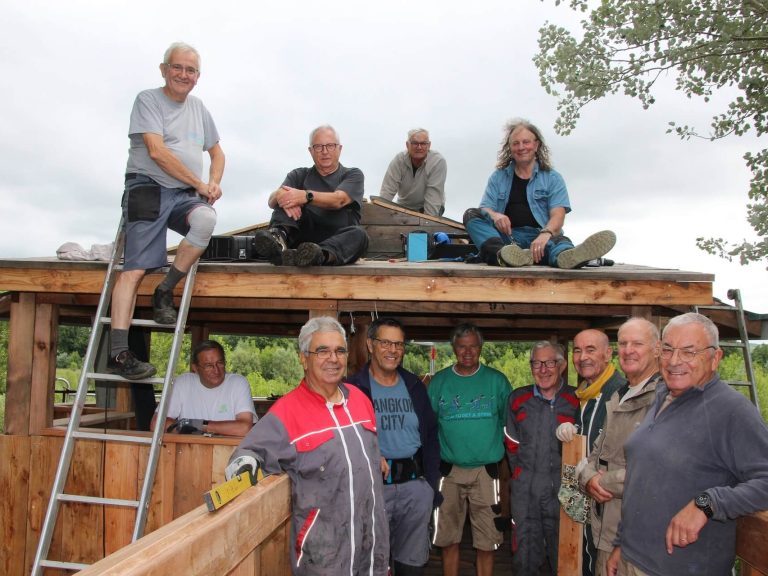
(566, 431)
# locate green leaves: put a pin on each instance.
(627, 45)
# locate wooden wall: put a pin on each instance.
(188, 467)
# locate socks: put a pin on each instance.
(171, 279)
(119, 342)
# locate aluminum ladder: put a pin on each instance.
(742, 344)
(73, 433)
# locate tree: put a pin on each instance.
(710, 44)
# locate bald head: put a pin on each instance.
(591, 354)
(638, 349)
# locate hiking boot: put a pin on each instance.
(162, 307)
(513, 256)
(270, 245)
(595, 246)
(129, 367)
(289, 257)
(309, 254)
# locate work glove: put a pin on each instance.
(566, 431)
(240, 465)
(187, 426)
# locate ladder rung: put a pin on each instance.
(737, 383)
(732, 345)
(138, 322)
(63, 565)
(98, 500)
(117, 378)
(115, 437)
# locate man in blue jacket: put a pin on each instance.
(407, 430)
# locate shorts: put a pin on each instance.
(473, 486)
(149, 210)
(409, 506)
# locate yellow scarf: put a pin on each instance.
(594, 389)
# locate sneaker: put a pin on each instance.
(162, 306)
(270, 245)
(595, 246)
(289, 257)
(309, 254)
(129, 367)
(514, 256)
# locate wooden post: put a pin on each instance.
(571, 539)
(21, 339)
(46, 336)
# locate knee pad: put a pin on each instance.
(201, 223)
(471, 214)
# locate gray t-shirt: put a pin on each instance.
(187, 129)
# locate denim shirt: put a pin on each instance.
(546, 190)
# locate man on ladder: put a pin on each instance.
(169, 130)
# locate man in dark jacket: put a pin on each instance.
(534, 456)
(407, 430)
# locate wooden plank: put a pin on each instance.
(193, 474)
(203, 543)
(571, 533)
(86, 477)
(121, 477)
(161, 504)
(44, 456)
(46, 337)
(14, 486)
(275, 553)
(249, 565)
(219, 461)
(21, 340)
(751, 536)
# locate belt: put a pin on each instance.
(403, 470)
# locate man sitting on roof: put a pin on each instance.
(209, 400)
(417, 176)
(316, 212)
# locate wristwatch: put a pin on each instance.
(704, 503)
(310, 197)
(546, 231)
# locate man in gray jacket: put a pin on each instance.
(603, 475)
(417, 176)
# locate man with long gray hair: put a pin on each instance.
(323, 435)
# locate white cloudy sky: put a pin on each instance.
(271, 71)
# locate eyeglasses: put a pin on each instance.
(397, 344)
(326, 353)
(179, 68)
(516, 143)
(419, 144)
(537, 364)
(321, 147)
(683, 354)
(212, 365)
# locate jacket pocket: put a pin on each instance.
(302, 536)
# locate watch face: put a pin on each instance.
(702, 500)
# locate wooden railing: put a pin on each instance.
(247, 536)
(751, 547)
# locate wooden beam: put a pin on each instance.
(43, 367)
(202, 543)
(14, 486)
(569, 555)
(751, 536)
(21, 346)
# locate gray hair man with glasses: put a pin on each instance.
(417, 176)
(696, 463)
(409, 447)
(210, 400)
(169, 131)
(316, 211)
(533, 452)
(323, 435)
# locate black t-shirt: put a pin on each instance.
(518, 210)
(350, 180)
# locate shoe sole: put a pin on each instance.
(595, 246)
(309, 254)
(148, 373)
(514, 257)
(166, 317)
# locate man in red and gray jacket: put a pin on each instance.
(323, 435)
